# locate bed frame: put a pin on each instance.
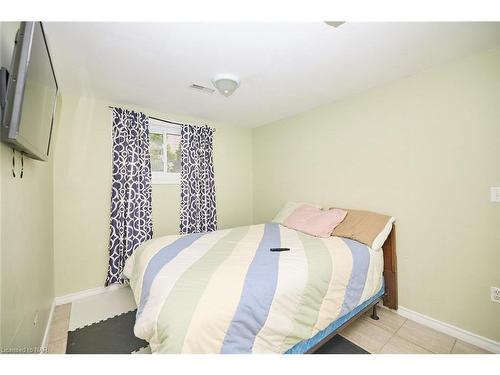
(390, 296)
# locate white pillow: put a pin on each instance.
(382, 236)
(288, 209)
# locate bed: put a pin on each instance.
(226, 292)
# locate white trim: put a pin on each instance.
(165, 129)
(165, 178)
(45, 340)
(162, 126)
(458, 333)
(68, 298)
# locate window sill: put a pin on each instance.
(166, 179)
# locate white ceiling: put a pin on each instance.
(285, 68)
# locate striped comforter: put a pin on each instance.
(225, 292)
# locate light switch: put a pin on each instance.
(495, 194)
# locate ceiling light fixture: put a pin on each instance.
(334, 23)
(226, 83)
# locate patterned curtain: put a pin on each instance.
(130, 222)
(198, 212)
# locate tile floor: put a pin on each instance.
(391, 334)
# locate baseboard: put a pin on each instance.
(459, 333)
(45, 340)
(450, 330)
(68, 298)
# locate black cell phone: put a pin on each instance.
(279, 249)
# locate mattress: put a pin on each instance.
(226, 292)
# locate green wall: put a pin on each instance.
(424, 149)
(26, 239)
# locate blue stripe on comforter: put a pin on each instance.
(361, 262)
(160, 259)
(257, 295)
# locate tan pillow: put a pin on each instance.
(366, 227)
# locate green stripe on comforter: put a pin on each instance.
(180, 304)
(319, 273)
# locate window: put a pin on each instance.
(165, 152)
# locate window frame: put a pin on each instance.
(164, 128)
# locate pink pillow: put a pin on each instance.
(313, 221)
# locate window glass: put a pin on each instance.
(173, 153)
(156, 152)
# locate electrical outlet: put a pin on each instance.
(495, 194)
(35, 319)
(495, 294)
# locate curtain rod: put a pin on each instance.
(160, 119)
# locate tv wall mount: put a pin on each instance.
(4, 78)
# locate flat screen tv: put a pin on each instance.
(30, 100)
